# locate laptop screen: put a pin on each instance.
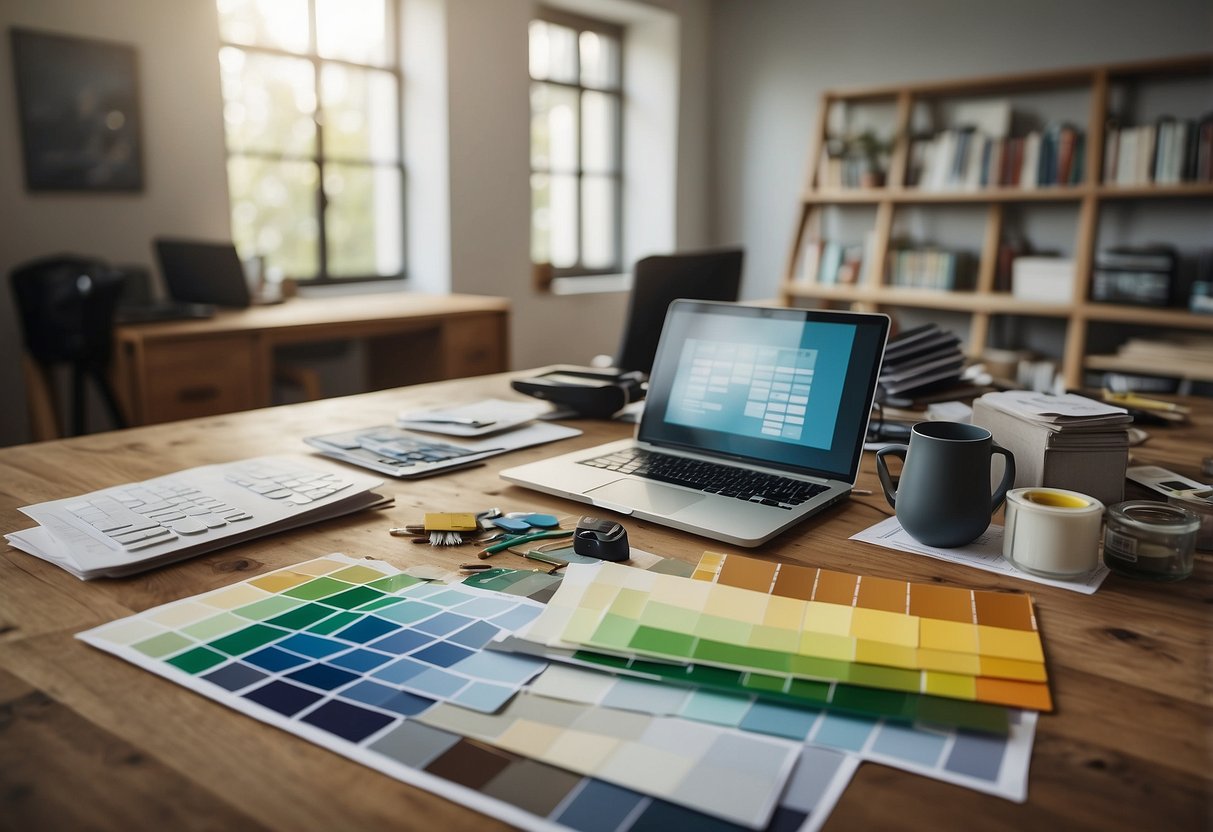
(791, 388)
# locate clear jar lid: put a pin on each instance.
(1150, 516)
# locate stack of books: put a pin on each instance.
(1066, 441)
(920, 359)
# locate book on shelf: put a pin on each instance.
(930, 268)
(831, 259)
(810, 260)
(1168, 152)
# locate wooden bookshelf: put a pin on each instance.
(1087, 197)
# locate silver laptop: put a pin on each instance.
(755, 419)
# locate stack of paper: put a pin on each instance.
(133, 527)
(1066, 441)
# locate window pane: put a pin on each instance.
(599, 132)
(598, 222)
(353, 30)
(599, 61)
(282, 24)
(553, 52)
(553, 127)
(564, 221)
(360, 113)
(541, 218)
(269, 102)
(364, 220)
(274, 213)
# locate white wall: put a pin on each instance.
(772, 60)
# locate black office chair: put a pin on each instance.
(66, 305)
(658, 281)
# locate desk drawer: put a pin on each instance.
(187, 379)
(474, 346)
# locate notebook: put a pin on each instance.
(755, 420)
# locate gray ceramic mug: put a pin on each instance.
(943, 497)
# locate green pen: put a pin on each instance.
(526, 538)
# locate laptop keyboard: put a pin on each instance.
(710, 477)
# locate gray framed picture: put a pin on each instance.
(78, 107)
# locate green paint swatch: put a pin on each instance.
(664, 642)
(197, 660)
(162, 645)
(319, 588)
(355, 597)
(905, 707)
(301, 617)
(394, 583)
(214, 626)
(268, 607)
(387, 601)
(250, 638)
(332, 625)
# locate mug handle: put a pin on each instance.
(1008, 476)
(882, 470)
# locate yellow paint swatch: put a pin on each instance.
(949, 684)
(833, 619)
(890, 627)
(1012, 669)
(953, 636)
(787, 613)
(947, 662)
(775, 638)
(824, 646)
(888, 655)
(1009, 644)
(739, 604)
(281, 581)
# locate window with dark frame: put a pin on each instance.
(311, 93)
(576, 139)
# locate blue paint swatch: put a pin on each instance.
(313, 646)
(437, 683)
(369, 693)
(499, 667)
(406, 704)
(348, 721)
(908, 744)
(283, 697)
(402, 642)
(234, 676)
(400, 671)
(367, 629)
(442, 624)
(843, 732)
(483, 696)
(599, 807)
(779, 721)
(976, 755)
(274, 660)
(322, 676)
(442, 654)
(475, 636)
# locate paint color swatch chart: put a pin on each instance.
(723, 772)
(809, 624)
(353, 654)
(990, 763)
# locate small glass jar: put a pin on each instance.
(1144, 539)
(1202, 507)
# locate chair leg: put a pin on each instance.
(108, 397)
(78, 400)
(40, 399)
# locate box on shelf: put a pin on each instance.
(1143, 276)
(1043, 279)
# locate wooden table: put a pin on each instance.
(185, 369)
(85, 738)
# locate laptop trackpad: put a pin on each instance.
(651, 497)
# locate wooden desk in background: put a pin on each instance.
(89, 740)
(185, 369)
